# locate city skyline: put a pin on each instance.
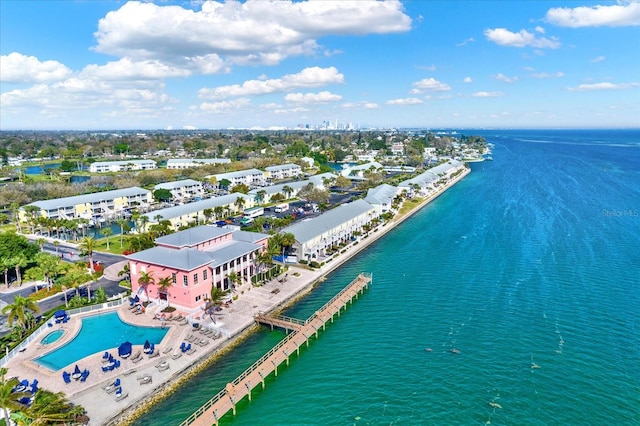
(264, 64)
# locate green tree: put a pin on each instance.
(86, 249)
(106, 232)
(100, 295)
(162, 194)
(217, 296)
(224, 183)
(10, 400)
(239, 203)
(50, 408)
(19, 261)
(241, 188)
(17, 311)
(287, 191)
(124, 226)
(164, 284)
(49, 267)
(145, 280)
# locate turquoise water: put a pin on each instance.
(532, 260)
(99, 333)
(52, 337)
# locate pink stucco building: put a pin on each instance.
(196, 259)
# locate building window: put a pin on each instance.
(174, 278)
(195, 278)
(185, 280)
(198, 298)
(218, 270)
(204, 275)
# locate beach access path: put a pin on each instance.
(232, 322)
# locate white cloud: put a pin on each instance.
(307, 78)
(429, 85)
(225, 106)
(502, 77)
(404, 101)
(312, 98)
(487, 94)
(126, 69)
(540, 30)
(18, 68)
(622, 14)
(598, 59)
(251, 32)
(467, 79)
(504, 37)
(556, 74)
(465, 42)
(360, 105)
(603, 86)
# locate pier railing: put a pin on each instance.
(259, 370)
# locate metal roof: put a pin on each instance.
(122, 162)
(381, 194)
(177, 184)
(193, 236)
(185, 209)
(186, 259)
(282, 167)
(95, 197)
(308, 230)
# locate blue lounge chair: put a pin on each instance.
(117, 363)
(84, 375)
(117, 383)
(66, 377)
(106, 355)
(34, 386)
(182, 346)
(65, 319)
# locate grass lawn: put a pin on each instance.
(114, 244)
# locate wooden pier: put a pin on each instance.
(299, 334)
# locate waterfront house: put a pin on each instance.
(359, 171)
(182, 190)
(121, 166)
(428, 181)
(186, 214)
(381, 197)
(315, 237)
(195, 259)
(108, 204)
(293, 188)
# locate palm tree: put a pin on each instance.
(18, 261)
(234, 278)
(287, 191)
(239, 203)
(164, 284)
(18, 309)
(261, 193)
(143, 222)
(56, 244)
(123, 223)
(86, 248)
(40, 242)
(208, 213)
(287, 240)
(217, 295)
(9, 400)
(218, 210)
(49, 266)
(5, 264)
(106, 232)
(52, 408)
(145, 280)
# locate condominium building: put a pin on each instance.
(195, 260)
(121, 166)
(283, 171)
(187, 163)
(182, 189)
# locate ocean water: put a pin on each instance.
(529, 268)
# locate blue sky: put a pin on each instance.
(88, 64)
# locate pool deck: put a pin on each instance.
(232, 321)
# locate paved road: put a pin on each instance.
(111, 287)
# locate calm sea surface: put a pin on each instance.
(533, 260)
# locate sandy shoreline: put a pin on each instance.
(235, 323)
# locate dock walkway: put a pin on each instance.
(299, 334)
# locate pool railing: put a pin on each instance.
(45, 327)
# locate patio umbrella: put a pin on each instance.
(147, 344)
(136, 299)
(77, 370)
(124, 349)
(60, 314)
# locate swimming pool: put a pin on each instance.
(100, 333)
(52, 337)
